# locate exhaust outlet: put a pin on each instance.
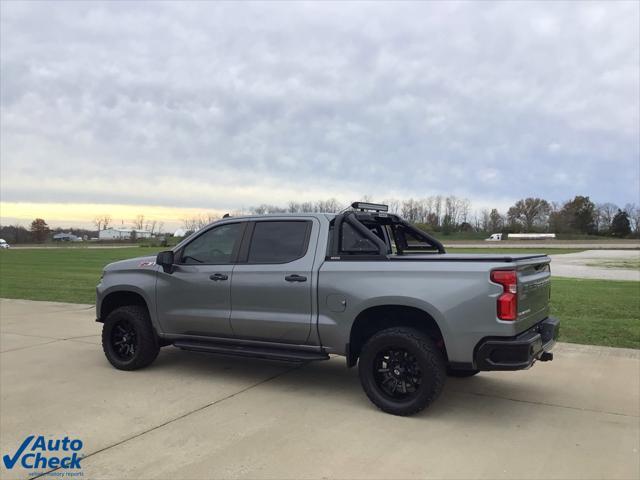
(546, 357)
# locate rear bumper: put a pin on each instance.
(520, 352)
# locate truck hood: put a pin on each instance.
(132, 264)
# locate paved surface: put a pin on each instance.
(592, 264)
(193, 415)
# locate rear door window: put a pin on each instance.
(279, 241)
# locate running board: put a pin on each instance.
(251, 351)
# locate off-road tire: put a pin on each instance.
(147, 344)
(427, 356)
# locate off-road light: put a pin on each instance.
(376, 207)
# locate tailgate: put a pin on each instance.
(534, 291)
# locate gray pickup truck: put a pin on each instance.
(364, 284)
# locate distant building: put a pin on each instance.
(122, 234)
(66, 237)
(181, 232)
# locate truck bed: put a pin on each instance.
(465, 257)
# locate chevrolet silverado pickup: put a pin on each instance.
(364, 284)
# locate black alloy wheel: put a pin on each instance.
(124, 340)
(397, 373)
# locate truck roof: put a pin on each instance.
(328, 216)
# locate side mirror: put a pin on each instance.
(165, 260)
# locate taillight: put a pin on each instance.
(508, 300)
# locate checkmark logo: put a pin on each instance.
(10, 462)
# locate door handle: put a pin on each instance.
(295, 278)
(218, 276)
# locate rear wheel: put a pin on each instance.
(401, 370)
(128, 339)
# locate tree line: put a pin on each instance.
(437, 214)
(140, 223)
(38, 232)
(448, 214)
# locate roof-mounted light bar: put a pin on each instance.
(375, 207)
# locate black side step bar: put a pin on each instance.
(251, 351)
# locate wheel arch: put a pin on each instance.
(382, 316)
(121, 298)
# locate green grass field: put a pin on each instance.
(596, 312)
(58, 275)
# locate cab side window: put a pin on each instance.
(214, 247)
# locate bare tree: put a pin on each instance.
(464, 205)
(294, 207)
(604, 215)
(106, 221)
(332, 205)
(485, 220)
(210, 218)
(394, 205)
(428, 210)
(190, 224)
(150, 226)
(138, 222)
(97, 221)
(451, 210)
(496, 222)
(437, 210)
(633, 211)
(410, 210)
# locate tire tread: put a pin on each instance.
(148, 344)
(430, 353)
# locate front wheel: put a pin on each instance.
(128, 339)
(401, 370)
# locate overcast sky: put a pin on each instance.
(224, 105)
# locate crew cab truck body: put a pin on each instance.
(363, 284)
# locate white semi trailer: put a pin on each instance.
(531, 236)
(496, 237)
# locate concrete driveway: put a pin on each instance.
(601, 264)
(194, 415)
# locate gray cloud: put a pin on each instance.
(228, 104)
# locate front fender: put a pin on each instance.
(142, 283)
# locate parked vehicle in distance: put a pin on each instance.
(66, 237)
(4, 244)
(494, 237)
(364, 284)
